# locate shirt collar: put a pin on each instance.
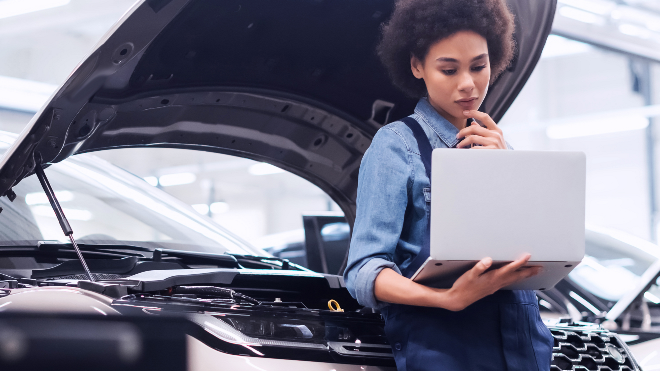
(445, 130)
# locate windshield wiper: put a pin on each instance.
(59, 213)
(194, 257)
(109, 248)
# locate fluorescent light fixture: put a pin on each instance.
(604, 126)
(636, 15)
(201, 208)
(152, 180)
(652, 298)
(601, 7)
(6, 141)
(219, 207)
(545, 304)
(653, 25)
(71, 214)
(10, 8)
(632, 30)
(23, 95)
(41, 198)
(264, 169)
(176, 179)
(581, 15)
(557, 46)
(582, 301)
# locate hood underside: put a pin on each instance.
(293, 83)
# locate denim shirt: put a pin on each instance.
(393, 202)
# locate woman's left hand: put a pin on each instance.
(489, 137)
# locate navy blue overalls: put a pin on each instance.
(502, 331)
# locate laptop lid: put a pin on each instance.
(502, 204)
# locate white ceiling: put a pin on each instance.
(46, 45)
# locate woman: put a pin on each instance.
(445, 52)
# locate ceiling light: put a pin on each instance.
(23, 95)
(632, 30)
(587, 128)
(654, 26)
(6, 139)
(176, 179)
(201, 208)
(72, 214)
(581, 15)
(582, 301)
(152, 180)
(219, 207)
(601, 7)
(264, 169)
(545, 304)
(41, 198)
(10, 8)
(557, 46)
(638, 16)
(652, 298)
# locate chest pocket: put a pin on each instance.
(427, 194)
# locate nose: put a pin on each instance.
(466, 83)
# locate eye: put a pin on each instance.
(449, 72)
(478, 68)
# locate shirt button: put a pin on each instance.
(397, 346)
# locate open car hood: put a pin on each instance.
(293, 83)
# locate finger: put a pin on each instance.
(481, 267)
(515, 265)
(477, 139)
(477, 130)
(482, 117)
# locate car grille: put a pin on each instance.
(583, 350)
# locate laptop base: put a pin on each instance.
(443, 273)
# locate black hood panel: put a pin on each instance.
(321, 50)
(294, 83)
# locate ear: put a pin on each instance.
(416, 67)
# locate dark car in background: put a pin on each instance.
(293, 83)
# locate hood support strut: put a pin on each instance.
(64, 223)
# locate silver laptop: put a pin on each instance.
(502, 204)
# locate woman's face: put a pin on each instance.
(456, 72)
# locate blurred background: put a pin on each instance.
(596, 89)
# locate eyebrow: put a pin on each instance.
(453, 60)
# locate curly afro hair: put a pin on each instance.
(417, 24)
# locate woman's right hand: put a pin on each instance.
(477, 283)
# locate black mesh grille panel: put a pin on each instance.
(586, 350)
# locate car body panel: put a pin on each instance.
(57, 300)
(647, 354)
(201, 357)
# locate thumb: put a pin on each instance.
(481, 266)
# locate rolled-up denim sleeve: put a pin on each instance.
(382, 197)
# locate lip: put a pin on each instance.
(467, 103)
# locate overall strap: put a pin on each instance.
(425, 151)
